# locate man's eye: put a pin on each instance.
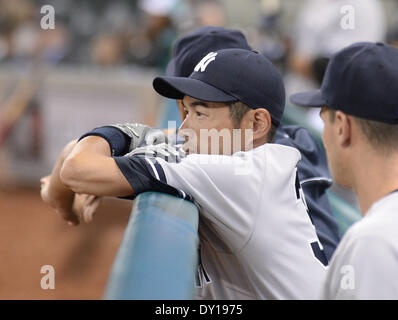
(199, 113)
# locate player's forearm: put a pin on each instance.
(58, 194)
(90, 169)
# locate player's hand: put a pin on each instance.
(141, 135)
(44, 183)
(169, 153)
(85, 206)
(63, 205)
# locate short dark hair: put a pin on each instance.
(381, 135)
(237, 111)
(272, 132)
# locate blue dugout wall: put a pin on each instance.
(157, 258)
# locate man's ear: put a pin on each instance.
(261, 123)
(343, 126)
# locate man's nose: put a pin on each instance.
(184, 125)
(184, 130)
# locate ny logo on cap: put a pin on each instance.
(202, 65)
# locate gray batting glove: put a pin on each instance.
(141, 135)
(169, 153)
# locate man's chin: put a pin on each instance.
(187, 149)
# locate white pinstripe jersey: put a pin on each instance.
(257, 240)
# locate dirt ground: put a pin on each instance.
(33, 235)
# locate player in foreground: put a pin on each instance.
(359, 106)
(312, 168)
(257, 240)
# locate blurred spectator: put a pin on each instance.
(160, 21)
(210, 13)
(318, 33)
(13, 15)
(269, 39)
(21, 38)
(101, 32)
(108, 50)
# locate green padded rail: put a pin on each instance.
(157, 258)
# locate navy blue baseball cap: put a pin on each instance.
(360, 80)
(229, 75)
(189, 49)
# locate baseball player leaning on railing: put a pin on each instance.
(257, 240)
(313, 171)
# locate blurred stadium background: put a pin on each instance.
(96, 67)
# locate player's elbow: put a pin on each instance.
(72, 174)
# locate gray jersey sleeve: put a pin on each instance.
(362, 268)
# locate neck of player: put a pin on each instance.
(375, 176)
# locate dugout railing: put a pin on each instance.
(158, 254)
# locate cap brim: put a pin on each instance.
(178, 87)
(313, 99)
